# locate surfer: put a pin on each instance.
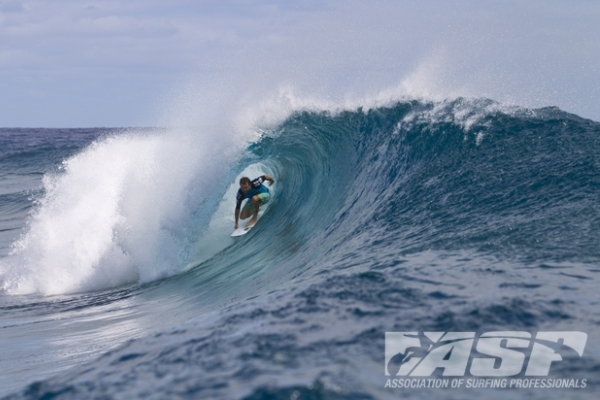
(257, 192)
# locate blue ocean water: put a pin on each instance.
(118, 278)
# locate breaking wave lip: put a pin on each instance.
(140, 206)
(116, 212)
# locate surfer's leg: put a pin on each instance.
(257, 201)
(247, 210)
(256, 208)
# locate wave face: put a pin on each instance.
(463, 215)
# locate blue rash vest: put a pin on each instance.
(256, 187)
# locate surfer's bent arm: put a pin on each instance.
(268, 178)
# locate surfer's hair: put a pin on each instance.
(245, 180)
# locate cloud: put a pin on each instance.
(524, 52)
(11, 6)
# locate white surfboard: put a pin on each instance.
(242, 231)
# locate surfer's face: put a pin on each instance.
(245, 187)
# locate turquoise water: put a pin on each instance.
(119, 278)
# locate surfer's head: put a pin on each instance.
(245, 184)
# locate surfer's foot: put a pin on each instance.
(251, 222)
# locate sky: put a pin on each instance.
(79, 63)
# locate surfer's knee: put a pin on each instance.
(255, 199)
